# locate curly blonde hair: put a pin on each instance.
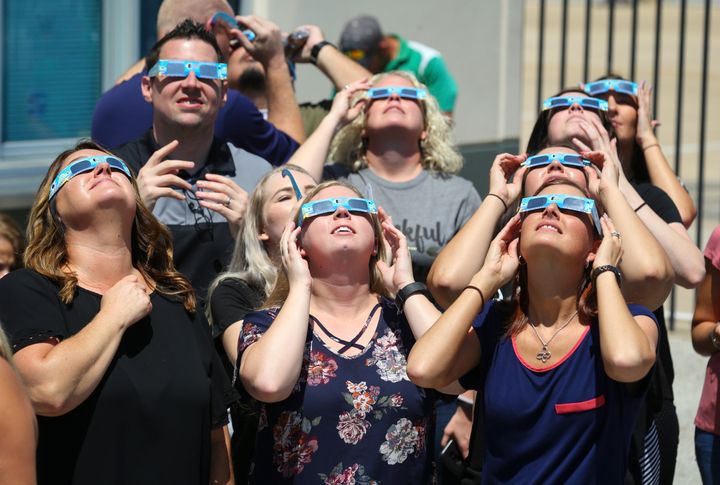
(438, 152)
(46, 252)
(280, 291)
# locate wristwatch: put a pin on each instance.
(714, 339)
(607, 267)
(407, 291)
(315, 51)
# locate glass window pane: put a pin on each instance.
(51, 68)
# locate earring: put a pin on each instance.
(521, 260)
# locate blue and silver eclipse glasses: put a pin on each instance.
(231, 23)
(202, 70)
(329, 206)
(607, 85)
(566, 159)
(85, 165)
(564, 202)
(567, 101)
(405, 92)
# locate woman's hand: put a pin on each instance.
(504, 166)
(343, 109)
(502, 262)
(610, 250)
(644, 131)
(127, 301)
(399, 273)
(295, 266)
(608, 176)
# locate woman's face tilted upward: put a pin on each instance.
(566, 123)
(395, 113)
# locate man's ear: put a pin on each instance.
(146, 88)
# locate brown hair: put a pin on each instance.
(12, 232)
(282, 287)
(46, 252)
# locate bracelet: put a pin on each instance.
(407, 291)
(602, 269)
(650, 146)
(490, 194)
(482, 297)
(714, 339)
(315, 51)
(640, 206)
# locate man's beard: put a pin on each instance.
(252, 80)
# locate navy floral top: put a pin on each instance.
(354, 419)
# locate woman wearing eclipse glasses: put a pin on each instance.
(117, 360)
(338, 406)
(560, 368)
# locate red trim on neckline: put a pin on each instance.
(578, 407)
(545, 369)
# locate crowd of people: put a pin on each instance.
(225, 286)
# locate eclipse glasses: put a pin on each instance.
(83, 165)
(607, 85)
(567, 101)
(566, 159)
(404, 92)
(202, 70)
(563, 202)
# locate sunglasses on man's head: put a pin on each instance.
(229, 22)
(563, 202)
(329, 206)
(402, 91)
(566, 159)
(567, 101)
(83, 165)
(202, 70)
(607, 85)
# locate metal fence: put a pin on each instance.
(597, 22)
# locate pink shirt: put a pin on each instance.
(708, 414)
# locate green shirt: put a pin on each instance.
(428, 66)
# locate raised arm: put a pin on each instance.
(463, 256)
(627, 342)
(18, 430)
(267, 48)
(312, 154)
(706, 319)
(661, 175)
(60, 375)
(265, 376)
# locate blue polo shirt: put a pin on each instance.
(122, 115)
(568, 423)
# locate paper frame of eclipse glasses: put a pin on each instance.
(405, 92)
(607, 85)
(567, 101)
(83, 165)
(564, 202)
(232, 23)
(202, 70)
(566, 159)
(329, 206)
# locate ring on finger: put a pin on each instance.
(227, 202)
(347, 87)
(616, 234)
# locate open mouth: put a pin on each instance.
(549, 227)
(342, 230)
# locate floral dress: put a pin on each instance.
(351, 420)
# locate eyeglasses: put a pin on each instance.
(567, 101)
(563, 202)
(566, 159)
(357, 55)
(86, 165)
(606, 85)
(402, 91)
(202, 70)
(229, 22)
(329, 206)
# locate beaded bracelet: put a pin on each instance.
(602, 269)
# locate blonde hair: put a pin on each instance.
(438, 153)
(173, 12)
(280, 291)
(46, 251)
(250, 261)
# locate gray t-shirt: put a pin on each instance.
(429, 209)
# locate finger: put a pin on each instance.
(221, 209)
(581, 145)
(172, 166)
(160, 154)
(215, 197)
(208, 186)
(445, 439)
(168, 192)
(656, 123)
(170, 181)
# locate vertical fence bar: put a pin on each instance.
(541, 43)
(678, 122)
(656, 75)
(563, 44)
(703, 104)
(611, 31)
(586, 62)
(633, 39)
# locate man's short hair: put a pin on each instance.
(361, 33)
(172, 12)
(185, 30)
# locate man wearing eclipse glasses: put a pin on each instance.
(195, 183)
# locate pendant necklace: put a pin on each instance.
(544, 354)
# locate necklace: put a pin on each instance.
(544, 354)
